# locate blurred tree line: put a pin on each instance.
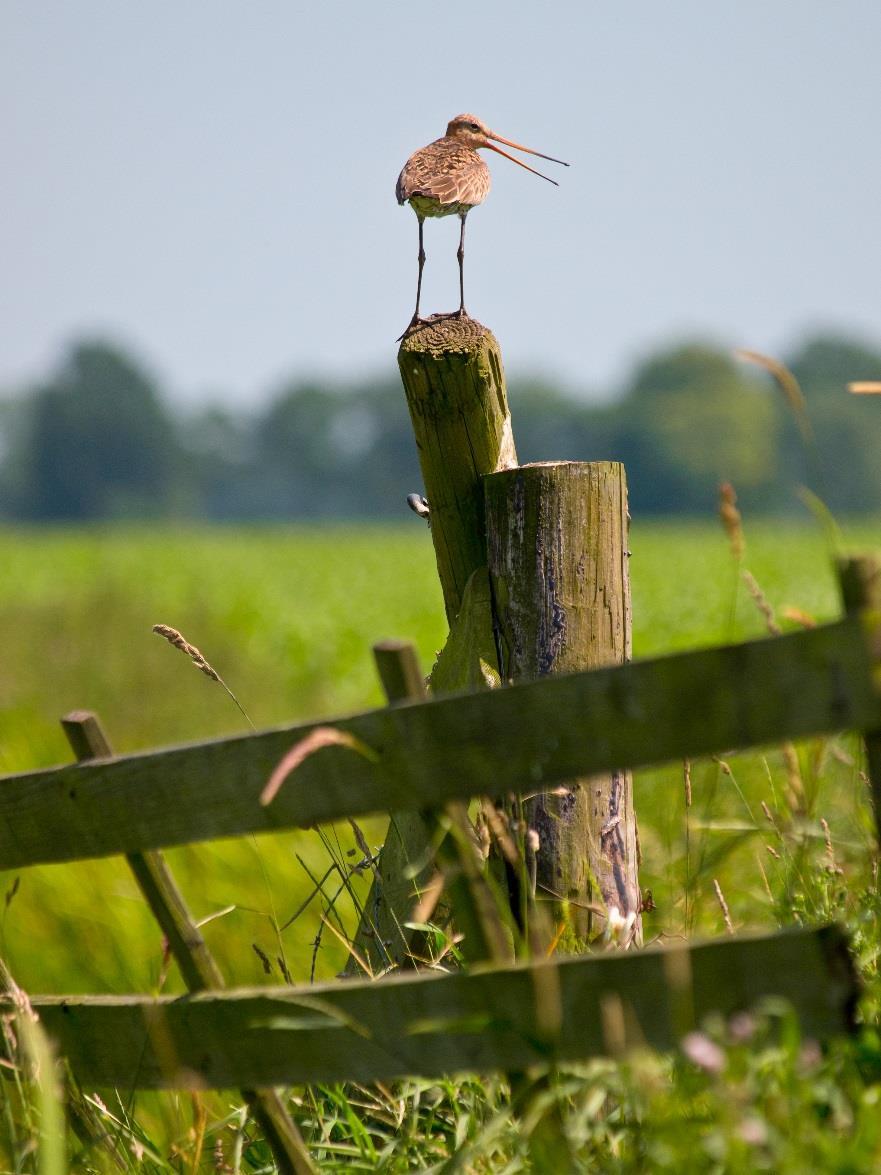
(98, 441)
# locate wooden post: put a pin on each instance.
(197, 965)
(860, 580)
(455, 385)
(557, 553)
(453, 378)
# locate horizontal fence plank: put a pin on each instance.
(505, 1019)
(423, 754)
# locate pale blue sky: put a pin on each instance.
(213, 182)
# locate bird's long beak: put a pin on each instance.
(529, 151)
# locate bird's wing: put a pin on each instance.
(457, 176)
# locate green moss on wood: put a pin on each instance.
(454, 381)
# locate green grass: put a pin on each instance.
(288, 618)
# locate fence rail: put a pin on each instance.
(424, 754)
(505, 1019)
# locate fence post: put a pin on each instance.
(455, 386)
(454, 382)
(860, 580)
(197, 965)
(558, 560)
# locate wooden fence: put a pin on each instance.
(422, 754)
(419, 755)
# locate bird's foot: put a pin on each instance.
(411, 325)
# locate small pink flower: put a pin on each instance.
(753, 1131)
(703, 1052)
(741, 1027)
(810, 1056)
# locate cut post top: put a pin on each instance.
(443, 334)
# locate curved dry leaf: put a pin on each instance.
(316, 740)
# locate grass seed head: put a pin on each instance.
(180, 642)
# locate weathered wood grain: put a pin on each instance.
(557, 553)
(454, 747)
(505, 1018)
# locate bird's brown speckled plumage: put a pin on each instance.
(444, 178)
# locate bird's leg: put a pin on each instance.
(416, 320)
(461, 256)
(421, 265)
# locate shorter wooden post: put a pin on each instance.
(557, 554)
(190, 951)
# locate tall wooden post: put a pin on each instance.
(453, 378)
(455, 386)
(558, 560)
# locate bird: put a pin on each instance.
(448, 177)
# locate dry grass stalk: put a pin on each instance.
(795, 790)
(199, 660)
(832, 865)
(761, 602)
(720, 897)
(686, 771)
(794, 397)
(783, 377)
(428, 899)
(865, 387)
(731, 519)
(765, 879)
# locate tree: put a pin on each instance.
(845, 469)
(690, 419)
(100, 444)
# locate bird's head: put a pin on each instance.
(468, 129)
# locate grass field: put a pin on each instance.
(288, 618)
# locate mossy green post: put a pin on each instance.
(454, 381)
(558, 560)
(455, 386)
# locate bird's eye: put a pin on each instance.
(473, 126)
